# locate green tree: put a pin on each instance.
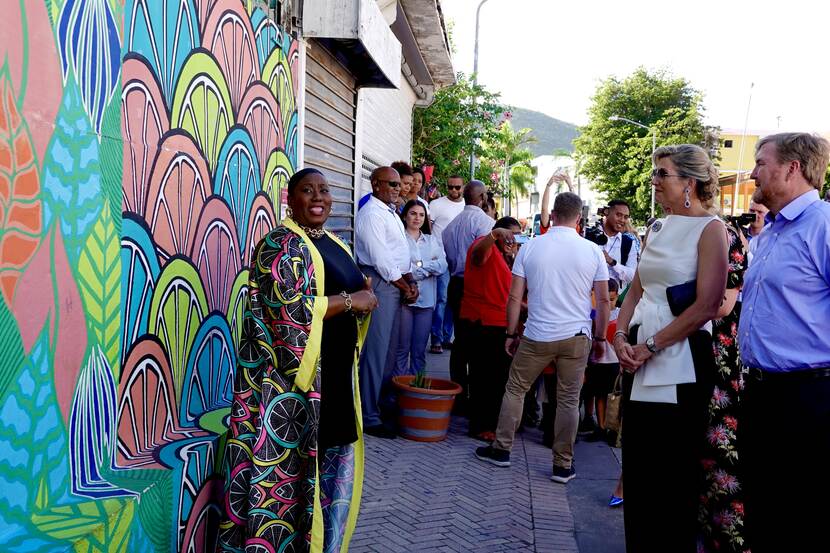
(505, 164)
(462, 116)
(616, 155)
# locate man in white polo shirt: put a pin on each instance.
(559, 271)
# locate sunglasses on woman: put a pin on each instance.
(662, 174)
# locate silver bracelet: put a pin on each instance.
(348, 302)
(622, 333)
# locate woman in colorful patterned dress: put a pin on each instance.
(293, 462)
(721, 512)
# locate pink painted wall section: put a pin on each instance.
(143, 145)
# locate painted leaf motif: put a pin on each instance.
(237, 179)
(208, 380)
(99, 278)
(266, 33)
(229, 36)
(176, 312)
(91, 527)
(216, 252)
(164, 32)
(158, 523)
(260, 114)
(72, 174)
(90, 48)
(11, 348)
(92, 428)
(260, 223)
(21, 211)
(138, 280)
(34, 446)
(202, 104)
(144, 121)
(278, 171)
(236, 306)
(147, 413)
(278, 76)
(191, 462)
(179, 186)
(200, 533)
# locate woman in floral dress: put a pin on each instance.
(721, 513)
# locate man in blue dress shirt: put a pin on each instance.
(784, 334)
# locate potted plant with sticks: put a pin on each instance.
(424, 406)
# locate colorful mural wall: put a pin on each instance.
(144, 146)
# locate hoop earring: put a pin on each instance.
(289, 213)
(688, 203)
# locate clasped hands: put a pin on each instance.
(631, 357)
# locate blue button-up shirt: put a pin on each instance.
(460, 234)
(785, 319)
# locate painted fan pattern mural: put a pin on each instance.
(144, 150)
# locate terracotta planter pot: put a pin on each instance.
(424, 415)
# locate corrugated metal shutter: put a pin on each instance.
(330, 113)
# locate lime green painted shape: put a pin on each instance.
(91, 527)
(276, 73)
(202, 105)
(277, 172)
(178, 306)
(236, 305)
(154, 512)
(212, 421)
(99, 280)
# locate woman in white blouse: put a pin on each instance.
(667, 353)
(428, 261)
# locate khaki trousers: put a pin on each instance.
(569, 357)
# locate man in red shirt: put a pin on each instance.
(487, 278)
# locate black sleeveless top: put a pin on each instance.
(337, 424)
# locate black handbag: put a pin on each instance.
(681, 296)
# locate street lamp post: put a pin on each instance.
(653, 131)
(475, 82)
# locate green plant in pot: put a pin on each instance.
(424, 406)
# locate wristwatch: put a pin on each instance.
(650, 345)
(419, 263)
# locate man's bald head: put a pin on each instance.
(386, 184)
(475, 193)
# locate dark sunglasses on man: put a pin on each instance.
(392, 183)
(453, 187)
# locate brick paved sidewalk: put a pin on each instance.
(421, 497)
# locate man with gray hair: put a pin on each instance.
(784, 334)
(559, 270)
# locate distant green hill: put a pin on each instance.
(552, 134)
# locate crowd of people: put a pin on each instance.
(719, 332)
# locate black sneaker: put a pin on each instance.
(494, 456)
(586, 427)
(563, 476)
(380, 431)
(598, 435)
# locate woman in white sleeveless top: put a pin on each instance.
(668, 359)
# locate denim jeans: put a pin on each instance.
(412, 339)
(442, 316)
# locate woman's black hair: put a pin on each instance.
(507, 223)
(426, 228)
(300, 175)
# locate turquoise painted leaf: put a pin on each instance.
(140, 271)
(72, 174)
(208, 379)
(266, 33)
(89, 45)
(33, 450)
(192, 463)
(164, 32)
(237, 177)
(92, 428)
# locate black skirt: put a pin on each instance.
(662, 448)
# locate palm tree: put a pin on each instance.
(507, 157)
